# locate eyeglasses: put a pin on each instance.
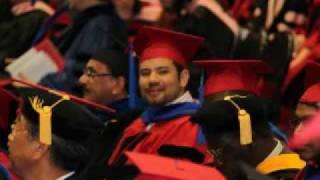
(92, 73)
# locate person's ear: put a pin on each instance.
(119, 86)
(184, 78)
(39, 150)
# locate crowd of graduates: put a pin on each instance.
(160, 89)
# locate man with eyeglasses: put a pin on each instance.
(104, 79)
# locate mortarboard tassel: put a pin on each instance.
(244, 121)
(132, 78)
(45, 114)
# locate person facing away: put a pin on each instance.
(236, 129)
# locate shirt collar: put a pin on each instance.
(66, 175)
(186, 97)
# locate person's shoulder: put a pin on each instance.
(106, 23)
(35, 14)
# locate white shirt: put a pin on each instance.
(186, 97)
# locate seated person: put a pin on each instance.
(237, 129)
(53, 137)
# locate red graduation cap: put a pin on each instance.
(234, 75)
(61, 93)
(152, 42)
(157, 167)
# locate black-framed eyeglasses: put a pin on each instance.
(92, 73)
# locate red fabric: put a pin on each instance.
(171, 168)
(234, 75)
(4, 160)
(242, 9)
(286, 117)
(307, 133)
(5, 102)
(312, 94)
(153, 42)
(179, 131)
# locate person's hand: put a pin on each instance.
(26, 7)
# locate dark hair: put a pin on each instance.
(178, 67)
(66, 154)
(221, 116)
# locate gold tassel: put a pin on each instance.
(244, 121)
(45, 114)
(245, 127)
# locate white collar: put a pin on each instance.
(276, 151)
(66, 175)
(186, 97)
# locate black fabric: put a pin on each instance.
(127, 145)
(243, 171)
(181, 152)
(16, 35)
(98, 168)
(222, 116)
(67, 38)
(278, 54)
(219, 39)
(5, 11)
(70, 120)
(116, 60)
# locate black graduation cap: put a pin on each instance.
(60, 116)
(246, 172)
(236, 114)
(115, 59)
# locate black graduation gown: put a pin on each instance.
(16, 35)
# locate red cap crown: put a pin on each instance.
(234, 75)
(153, 42)
(157, 167)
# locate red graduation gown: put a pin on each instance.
(179, 131)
